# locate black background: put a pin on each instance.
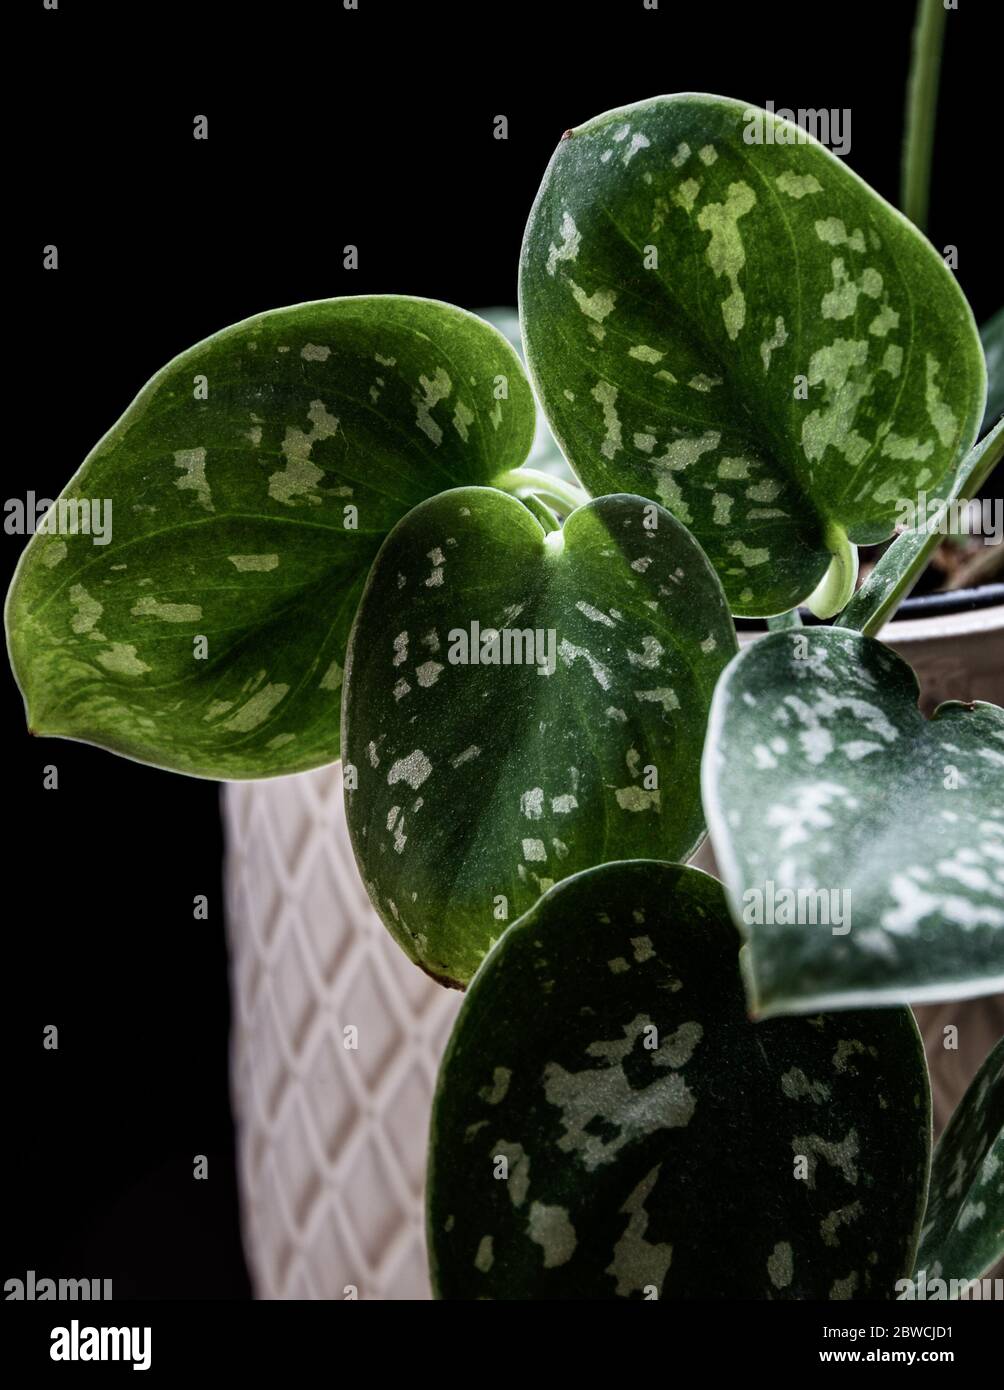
(326, 127)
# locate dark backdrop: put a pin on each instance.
(326, 127)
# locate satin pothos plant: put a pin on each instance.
(328, 542)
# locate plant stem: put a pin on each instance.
(837, 584)
(541, 511)
(784, 621)
(522, 482)
(906, 559)
(921, 107)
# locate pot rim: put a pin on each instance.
(953, 601)
(938, 627)
(916, 611)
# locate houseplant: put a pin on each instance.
(355, 466)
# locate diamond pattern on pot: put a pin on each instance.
(331, 1139)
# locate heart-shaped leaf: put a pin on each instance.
(487, 769)
(963, 1233)
(720, 315)
(609, 1123)
(862, 845)
(249, 486)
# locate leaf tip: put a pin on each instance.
(447, 981)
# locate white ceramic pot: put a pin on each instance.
(331, 1139)
(956, 657)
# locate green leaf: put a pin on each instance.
(992, 337)
(823, 779)
(963, 1234)
(481, 785)
(653, 1134)
(230, 475)
(677, 379)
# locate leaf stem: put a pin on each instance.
(906, 559)
(542, 512)
(522, 482)
(837, 584)
(921, 108)
(782, 622)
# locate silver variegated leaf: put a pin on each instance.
(520, 705)
(610, 1124)
(862, 845)
(963, 1234)
(719, 314)
(248, 487)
